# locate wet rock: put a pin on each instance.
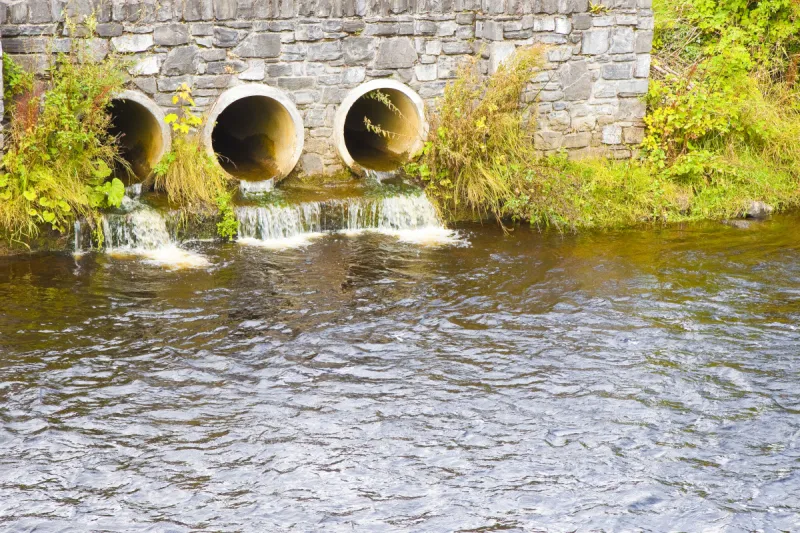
(738, 224)
(759, 210)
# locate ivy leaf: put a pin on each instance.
(48, 216)
(172, 117)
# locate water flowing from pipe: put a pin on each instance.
(410, 218)
(141, 231)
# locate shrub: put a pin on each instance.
(191, 179)
(59, 154)
(480, 143)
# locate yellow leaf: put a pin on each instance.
(172, 117)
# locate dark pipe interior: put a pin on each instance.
(139, 135)
(254, 138)
(381, 152)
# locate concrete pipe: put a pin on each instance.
(144, 136)
(379, 125)
(256, 134)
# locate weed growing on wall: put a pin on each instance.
(191, 179)
(59, 154)
(481, 151)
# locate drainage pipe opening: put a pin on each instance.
(380, 125)
(143, 136)
(255, 132)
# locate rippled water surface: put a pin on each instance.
(644, 380)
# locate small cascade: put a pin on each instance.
(256, 188)
(142, 231)
(134, 191)
(380, 175)
(411, 218)
(78, 239)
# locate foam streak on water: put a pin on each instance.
(143, 232)
(410, 218)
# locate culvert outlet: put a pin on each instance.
(379, 125)
(256, 133)
(144, 137)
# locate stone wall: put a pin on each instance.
(318, 50)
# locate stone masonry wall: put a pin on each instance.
(318, 50)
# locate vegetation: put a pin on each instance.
(59, 154)
(192, 179)
(722, 123)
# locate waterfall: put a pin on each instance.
(141, 231)
(410, 218)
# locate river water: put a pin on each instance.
(631, 381)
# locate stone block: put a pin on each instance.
(259, 45)
(396, 53)
(427, 72)
(358, 50)
(312, 164)
(618, 71)
(325, 51)
(226, 37)
(576, 80)
(633, 135)
(498, 54)
(171, 35)
(596, 42)
(644, 42)
(577, 140)
(256, 71)
(548, 140)
(612, 134)
(132, 43)
(181, 60)
(148, 66)
(622, 40)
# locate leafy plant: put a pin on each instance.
(16, 80)
(190, 177)
(228, 226)
(59, 154)
(598, 8)
(480, 141)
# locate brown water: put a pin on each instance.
(632, 381)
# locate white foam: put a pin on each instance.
(171, 257)
(300, 240)
(143, 233)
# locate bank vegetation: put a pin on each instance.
(723, 121)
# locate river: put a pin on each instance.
(640, 380)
